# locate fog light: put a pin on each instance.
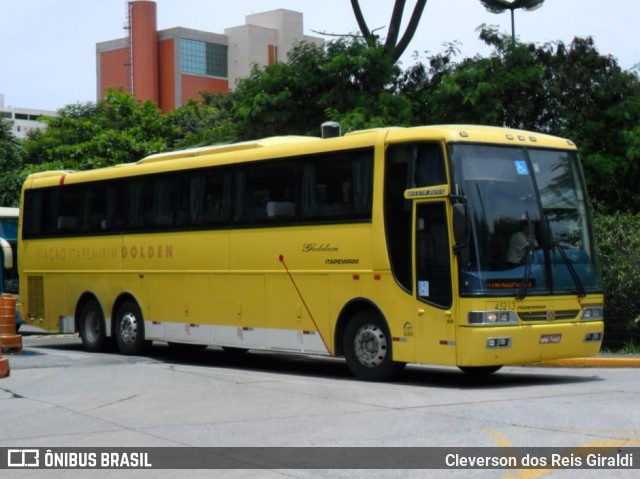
(495, 343)
(593, 337)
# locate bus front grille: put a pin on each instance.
(35, 302)
(549, 315)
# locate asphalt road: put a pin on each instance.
(60, 396)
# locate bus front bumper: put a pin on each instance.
(501, 345)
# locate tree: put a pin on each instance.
(118, 129)
(345, 80)
(204, 122)
(618, 240)
(505, 88)
(567, 90)
(499, 6)
(394, 45)
(10, 159)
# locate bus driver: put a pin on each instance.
(519, 243)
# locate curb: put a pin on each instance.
(597, 362)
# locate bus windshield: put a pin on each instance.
(529, 222)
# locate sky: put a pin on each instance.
(47, 47)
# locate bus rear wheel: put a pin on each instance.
(129, 329)
(92, 328)
(367, 348)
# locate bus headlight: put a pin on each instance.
(491, 318)
(593, 313)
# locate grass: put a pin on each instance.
(627, 348)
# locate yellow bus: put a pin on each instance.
(464, 246)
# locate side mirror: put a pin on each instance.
(7, 256)
(460, 224)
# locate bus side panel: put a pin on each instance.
(420, 332)
(174, 303)
(398, 310)
(176, 291)
(56, 307)
(60, 271)
(239, 315)
(299, 266)
(298, 322)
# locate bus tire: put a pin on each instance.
(129, 329)
(479, 371)
(367, 348)
(92, 328)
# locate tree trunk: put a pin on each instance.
(394, 48)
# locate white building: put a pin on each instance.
(264, 39)
(23, 119)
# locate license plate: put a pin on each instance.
(550, 338)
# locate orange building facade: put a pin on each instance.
(172, 66)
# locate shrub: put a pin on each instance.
(618, 242)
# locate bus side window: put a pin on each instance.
(134, 200)
(164, 201)
(408, 165)
(337, 186)
(265, 192)
(217, 197)
(399, 167)
(429, 165)
(68, 219)
(114, 219)
(203, 198)
(41, 213)
(94, 209)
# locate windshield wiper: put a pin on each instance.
(572, 271)
(524, 286)
(555, 245)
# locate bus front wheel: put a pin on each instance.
(129, 329)
(367, 348)
(91, 327)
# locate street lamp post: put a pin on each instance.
(499, 6)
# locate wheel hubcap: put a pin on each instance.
(370, 345)
(128, 329)
(92, 326)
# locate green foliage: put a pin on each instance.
(204, 122)
(10, 160)
(119, 129)
(618, 240)
(346, 80)
(568, 90)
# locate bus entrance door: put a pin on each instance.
(433, 283)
